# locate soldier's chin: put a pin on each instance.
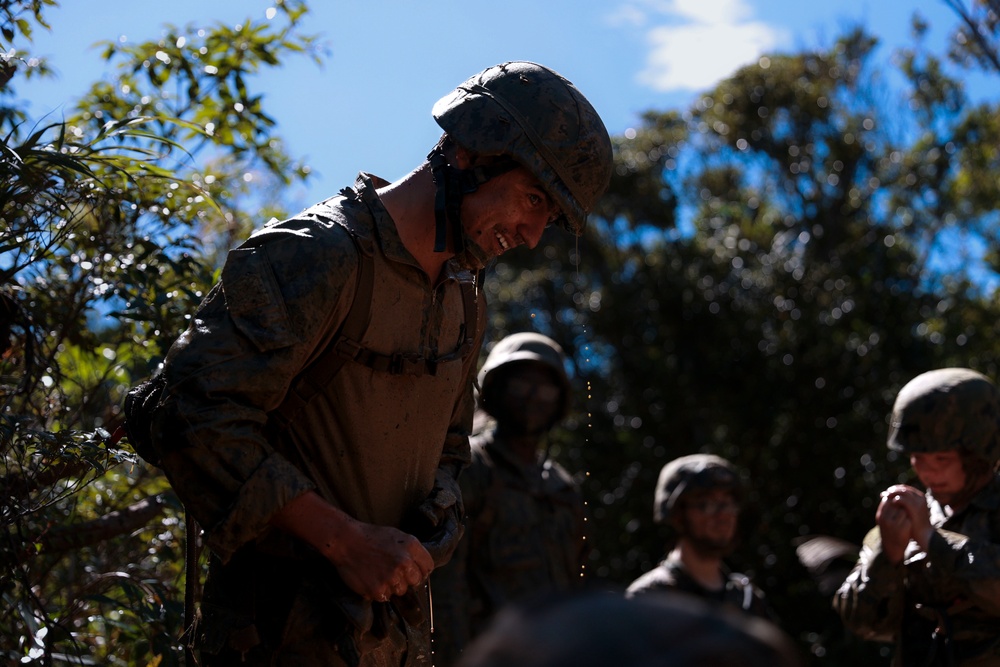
(473, 257)
(946, 497)
(713, 548)
(524, 428)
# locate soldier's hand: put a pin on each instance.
(379, 561)
(914, 503)
(375, 562)
(895, 527)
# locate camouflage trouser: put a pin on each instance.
(261, 610)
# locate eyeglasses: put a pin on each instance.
(520, 388)
(713, 507)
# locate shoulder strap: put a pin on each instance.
(345, 345)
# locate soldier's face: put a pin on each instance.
(508, 210)
(529, 400)
(710, 520)
(941, 473)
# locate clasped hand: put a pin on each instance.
(902, 515)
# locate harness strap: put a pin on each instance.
(415, 364)
(346, 344)
(315, 378)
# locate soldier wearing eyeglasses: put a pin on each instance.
(525, 520)
(698, 498)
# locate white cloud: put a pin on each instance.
(695, 43)
(696, 56)
(711, 11)
(627, 15)
(636, 13)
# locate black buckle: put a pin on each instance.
(349, 348)
(411, 364)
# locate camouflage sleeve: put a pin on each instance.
(569, 542)
(653, 581)
(974, 562)
(450, 599)
(871, 599)
(278, 297)
(450, 583)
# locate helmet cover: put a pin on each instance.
(534, 115)
(947, 409)
(526, 346)
(688, 473)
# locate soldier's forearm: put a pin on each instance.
(329, 530)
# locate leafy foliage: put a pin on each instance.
(106, 250)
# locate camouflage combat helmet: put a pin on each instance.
(696, 471)
(519, 347)
(532, 114)
(946, 409)
(537, 117)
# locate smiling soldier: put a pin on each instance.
(525, 513)
(328, 497)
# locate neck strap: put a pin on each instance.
(452, 184)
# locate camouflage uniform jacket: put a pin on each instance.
(951, 590)
(671, 575)
(371, 443)
(525, 536)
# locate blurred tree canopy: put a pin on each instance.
(768, 268)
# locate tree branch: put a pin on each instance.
(133, 517)
(19, 485)
(989, 51)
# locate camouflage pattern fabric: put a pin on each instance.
(670, 575)
(534, 115)
(941, 607)
(524, 538)
(373, 444)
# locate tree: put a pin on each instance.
(103, 255)
(975, 45)
(976, 41)
(760, 281)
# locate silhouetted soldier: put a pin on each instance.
(525, 516)
(928, 577)
(698, 497)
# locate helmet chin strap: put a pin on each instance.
(472, 256)
(451, 186)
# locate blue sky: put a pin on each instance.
(369, 106)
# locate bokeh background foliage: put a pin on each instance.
(768, 268)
